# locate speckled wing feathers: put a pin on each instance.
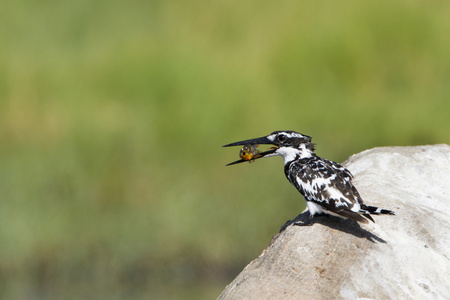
(327, 184)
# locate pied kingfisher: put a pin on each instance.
(327, 186)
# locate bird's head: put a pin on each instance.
(290, 145)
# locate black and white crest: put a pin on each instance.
(327, 186)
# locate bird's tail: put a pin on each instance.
(363, 215)
(367, 210)
(373, 210)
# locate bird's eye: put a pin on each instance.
(281, 138)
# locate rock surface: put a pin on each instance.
(406, 256)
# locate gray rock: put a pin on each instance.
(406, 256)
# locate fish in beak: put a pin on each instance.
(249, 152)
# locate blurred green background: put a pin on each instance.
(113, 113)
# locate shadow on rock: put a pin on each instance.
(345, 225)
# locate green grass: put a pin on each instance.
(113, 114)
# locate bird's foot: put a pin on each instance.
(308, 222)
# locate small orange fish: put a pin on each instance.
(249, 152)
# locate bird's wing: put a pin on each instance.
(326, 183)
(347, 176)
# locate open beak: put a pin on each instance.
(257, 141)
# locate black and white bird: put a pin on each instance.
(327, 186)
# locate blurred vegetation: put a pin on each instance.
(113, 113)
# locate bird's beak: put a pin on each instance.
(262, 140)
(257, 141)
